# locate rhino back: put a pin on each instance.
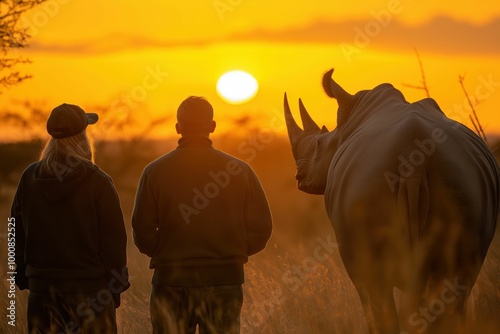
(405, 143)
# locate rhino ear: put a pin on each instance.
(324, 129)
(345, 100)
(327, 77)
(335, 90)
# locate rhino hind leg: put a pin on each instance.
(374, 283)
(442, 308)
(448, 263)
(379, 307)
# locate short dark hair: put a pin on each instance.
(195, 115)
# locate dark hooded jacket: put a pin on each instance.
(69, 231)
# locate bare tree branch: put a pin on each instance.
(423, 82)
(13, 36)
(473, 117)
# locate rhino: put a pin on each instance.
(413, 198)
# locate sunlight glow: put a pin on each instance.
(237, 87)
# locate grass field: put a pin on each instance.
(286, 289)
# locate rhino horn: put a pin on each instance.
(294, 131)
(307, 121)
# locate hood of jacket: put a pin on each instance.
(57, 188)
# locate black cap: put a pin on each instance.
(69, 120)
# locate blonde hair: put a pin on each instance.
(59, 156)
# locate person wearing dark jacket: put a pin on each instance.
(199, 214)
(70, 235)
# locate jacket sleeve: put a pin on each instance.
(16, 221)
(145, 217)
(112, 240)
(257, 216)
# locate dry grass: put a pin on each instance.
(322, 299)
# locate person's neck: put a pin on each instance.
(195, 136)
(195, 140)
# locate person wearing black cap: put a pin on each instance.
(70, 236)
(199, 214)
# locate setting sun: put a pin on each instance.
(237, 87)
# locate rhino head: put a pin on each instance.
(313, 147)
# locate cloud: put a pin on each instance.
(110, 44)
(439, 35)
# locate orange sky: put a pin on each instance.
(145, 57)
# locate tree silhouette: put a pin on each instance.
(461, 78)
(12, 37)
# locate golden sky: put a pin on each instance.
(145, 57)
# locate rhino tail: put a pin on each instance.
(414, 206)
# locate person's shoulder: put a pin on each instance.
(31, 168)
(95, 171)
(160, 162)
(234, 161)
(29, 172)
